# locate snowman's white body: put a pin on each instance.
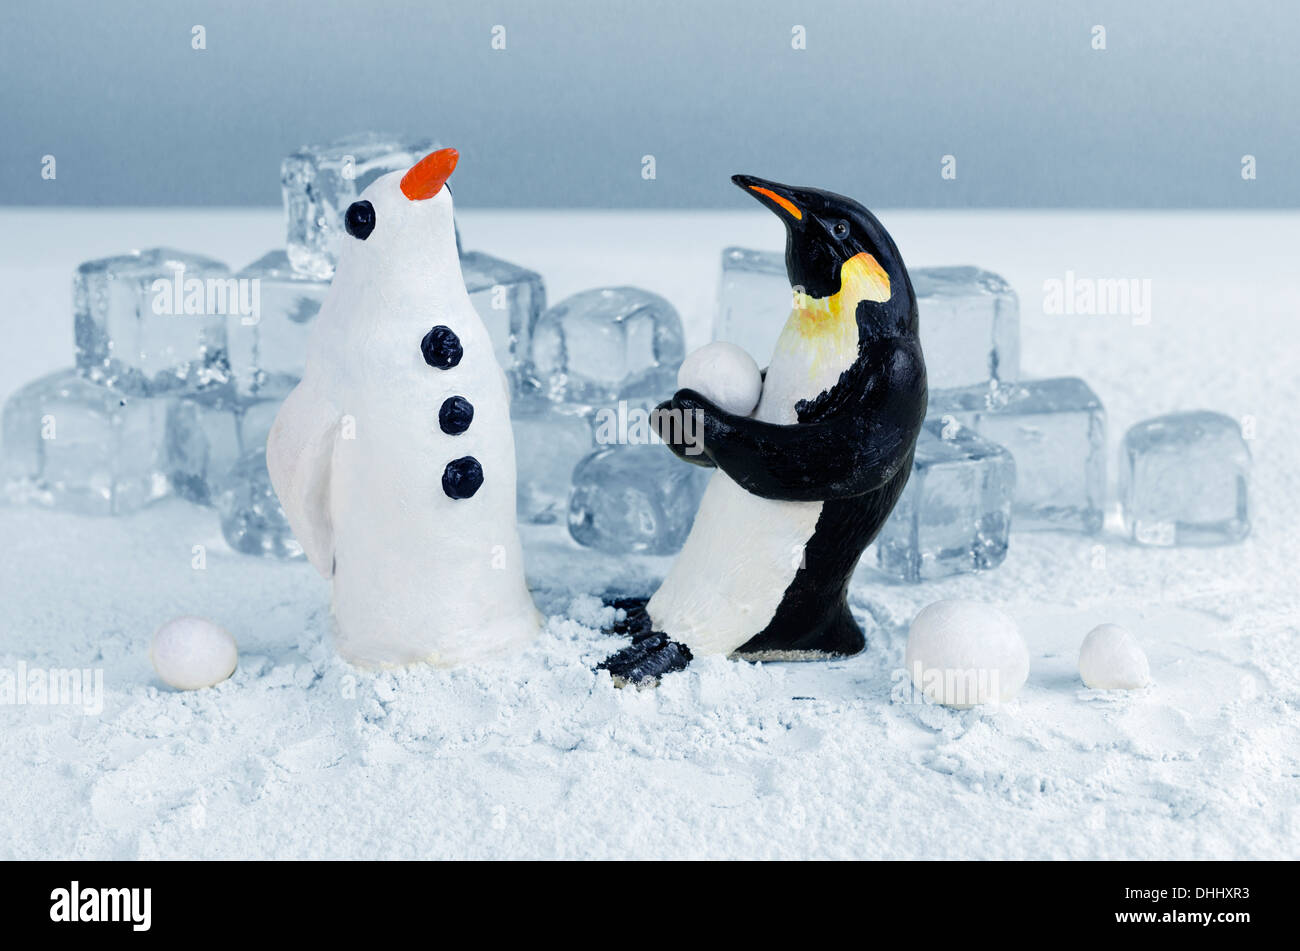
(357, 454)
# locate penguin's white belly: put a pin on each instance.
(420, 576)
(742, 554)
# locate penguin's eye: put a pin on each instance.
(840, 229)
(360, 219)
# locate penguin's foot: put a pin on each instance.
(636, 622)
(646, 660)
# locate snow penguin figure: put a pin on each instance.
(805, 483)
(394, 458)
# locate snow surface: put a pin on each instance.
(299, 755)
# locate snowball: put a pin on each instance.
(1110, 659)
(189, 653)
(964, 653)
(725, 374)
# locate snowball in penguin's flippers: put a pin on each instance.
(725, 374)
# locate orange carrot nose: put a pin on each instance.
(426, 177)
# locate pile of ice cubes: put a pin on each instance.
(600, 362)
(999, 452)
(181, 366)
(150, 406)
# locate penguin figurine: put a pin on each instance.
(805, 483)
(393, 457)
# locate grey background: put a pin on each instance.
(562, 117)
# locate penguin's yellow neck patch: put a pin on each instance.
(861, 278)
(820, 339)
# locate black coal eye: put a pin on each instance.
(840, 229)
(360, 219)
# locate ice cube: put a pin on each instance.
(205, 438)
(1055, 429)
(754, 300)
(600, 345)
(550, 440)
(955, 514)
(641, 394)
(318, 183)
(634, 498)
(252, 520)
(969, 318)
(970, 326)
(1184, 480)
(508, 299)
(268, 348)
(153, 321)
(72, 444)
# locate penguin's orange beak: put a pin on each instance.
(427, 176)
(777, 197)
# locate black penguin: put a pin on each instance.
(807, 481)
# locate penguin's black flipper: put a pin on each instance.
(801, 462)
(646, 660)
(851, 451)
(684, 443)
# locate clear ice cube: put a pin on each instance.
(635, 498)
(268, 349)
(970, 326)
(153, 321)
(601, 345)
(318, 183)
(754, 300)
(550, 441)
(72, 444)
(252, 519)
(639, 396)
(1055, 429)
(969, 318)
(508, 299)
(955, 514)
(204, 438)
(1184, 480)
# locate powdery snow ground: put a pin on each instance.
(299, 755)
